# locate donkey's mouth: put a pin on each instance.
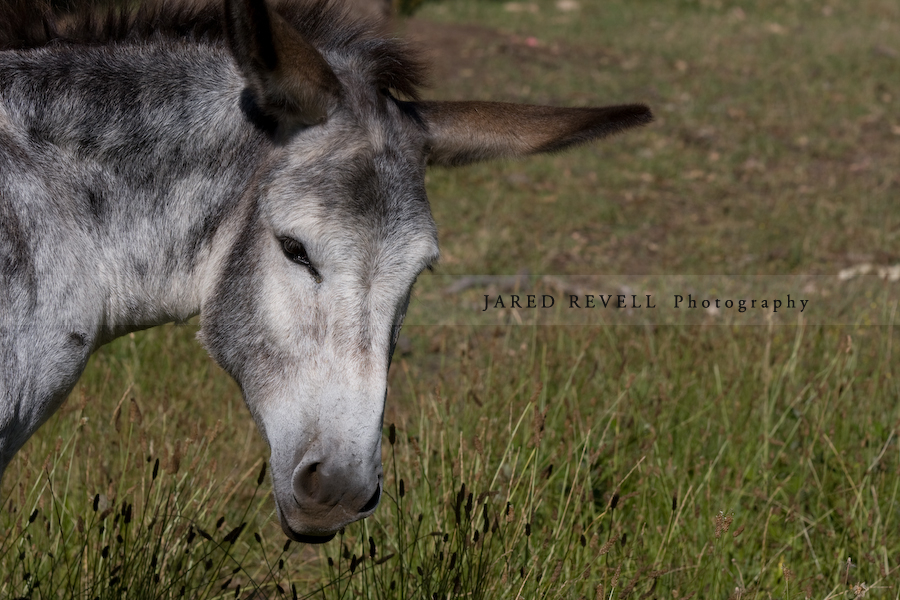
(306, 538)
(309, 539)
(321, 538)
(373, 501)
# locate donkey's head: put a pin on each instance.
(312, 295)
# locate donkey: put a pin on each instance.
(261, 166)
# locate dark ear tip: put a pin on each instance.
(631, 114)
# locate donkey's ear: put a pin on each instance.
(290, 80)
(466, 132)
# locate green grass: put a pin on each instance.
(598, 456)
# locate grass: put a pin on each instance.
(637, 466)
(604, 455)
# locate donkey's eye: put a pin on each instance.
(295, 252)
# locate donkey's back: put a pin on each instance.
(261, 167)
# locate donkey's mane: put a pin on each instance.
(27, 24)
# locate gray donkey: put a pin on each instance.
(262, 166)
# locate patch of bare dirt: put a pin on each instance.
(466, 58)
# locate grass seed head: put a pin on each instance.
(214, 433)
(540, 419)
(720, 524)
(134, 413)
(234, 534)
(605, 548)
(556, 571)
(115, 418)
(788, 573)
(174, 463)
(615, 579)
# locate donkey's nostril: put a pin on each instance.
(307, 481)
(320, 486)
(373, 501)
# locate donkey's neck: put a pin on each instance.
(145, 155)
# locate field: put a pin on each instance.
(641, 453)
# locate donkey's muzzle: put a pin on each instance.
(307, 539)
(327, 496)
